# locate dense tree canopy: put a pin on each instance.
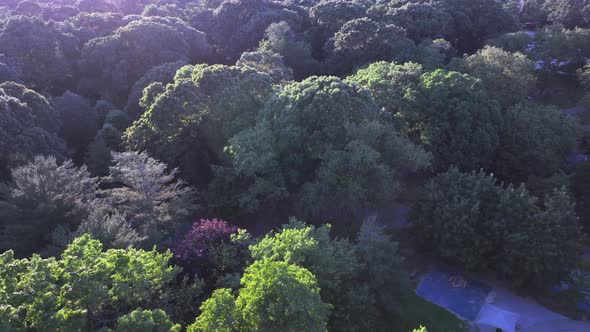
(39, 52)
(448, 113)
(28, 126)
(269, 63)
(320, 143)
(363, 41)
(508, 77)
(139, 46)
(153, 199)
(86, 288)
(557, 46)
(363, 281)
(188, 123)
(79, 121)
(295, 49)
(422, 19)
(238, 26)
(42, 195)
(533, 142)
(275, 296)
(214, 250)
(86, 26)
(201, 126)
(163, 73)
(470, 219)
(570, 13)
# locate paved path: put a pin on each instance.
(533, 316)
(559, 326)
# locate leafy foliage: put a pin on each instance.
(557, 45)
(570, 13)
(143, 92)
(218, 313)
(275, 296)
(269, 63)
(163, 73)
(146, 320)
(41, 54)
(79, 121)
(42, 195)
(471, 220)
(139, 46)
(295, 50)
(188, 123)
(363, 41)
(152, 199)
(28, 126)
(512, 42)
(214, 250)
(364, 282)
(448, 113)
(311, 138)
(111, 228)
(238, 26)
(533, 142)
(508, 77)
(87, 287)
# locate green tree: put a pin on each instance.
(533, 141)
(79, 121)
(218, 313)
(556, 45)
(98, 156)
(432, 54)
(150, 196)
(42, 53)
(427, 19)
(570, 13)
(296, 50)
(448, 113)
(474, 21)
(383, 274)
(277, 296)
(471, 220)
(111, 228)
(392, 85)
(333, 261)
(321, 145)
(42, 195)
(331, 15)
(28, 126)
(363, 281)
(363, 41)
(163, 73)
(187, 124)
(111, 65)
(269, 63)
(89, 25)
(88, 288)
(507, 77)
(146, 321)
(238, 26)
(512, 42)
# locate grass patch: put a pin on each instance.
(419, 311)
